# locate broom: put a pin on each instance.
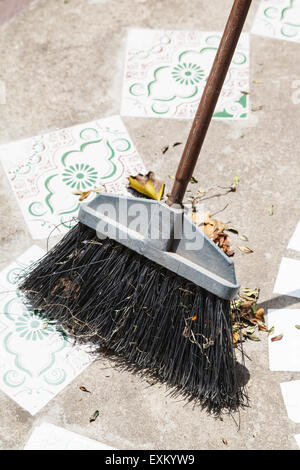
(155, 293)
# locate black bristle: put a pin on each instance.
(104, 293)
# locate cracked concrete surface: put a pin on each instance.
(62, 64)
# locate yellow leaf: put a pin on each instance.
(84, 195)
(149, 185)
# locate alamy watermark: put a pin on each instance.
(146, 222)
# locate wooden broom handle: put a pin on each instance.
(209, 100)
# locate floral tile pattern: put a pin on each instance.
(278, 19)
(166, 72)
(46, 170)
(37, 360)
(50, 437)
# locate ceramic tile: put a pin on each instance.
(50, 437)
(279, 19)
(291, 396)
(294, 243)
(287, 282)
(46, 170)
(37, 360)
(284, 354)
(166, 72)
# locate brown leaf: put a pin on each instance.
(83, 389)
(225, 442)
(149, 185)
(165, 149)
(222, 240)
(260, 314)
(262, 326)
(235, 337)
(276, 338)
(214, 229)
(177, 143)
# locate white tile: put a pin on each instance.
(37, 360)
(284, 354)
(294, 243)
(297, 437)
(291, 396)
(166, 72)
(278, 19)
(44, 171)
(288, 278)
(50, 437)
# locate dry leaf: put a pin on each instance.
(222, 240)
(254, 338)
(235, 337)
(297, 326)
(271, 330)
(150, 381)
(231, 229)
(244, 238)
(276, 338)
(177, 143)
(83, 389)
(165, 149)
(94, 416)
(271, 210)
(84, 194)
(245, 249)
(262, 326)
(243, 311)
(256, 108)
(260, 314)
(148, 184)
(225, 441)
(193, 180)
(214, 229)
